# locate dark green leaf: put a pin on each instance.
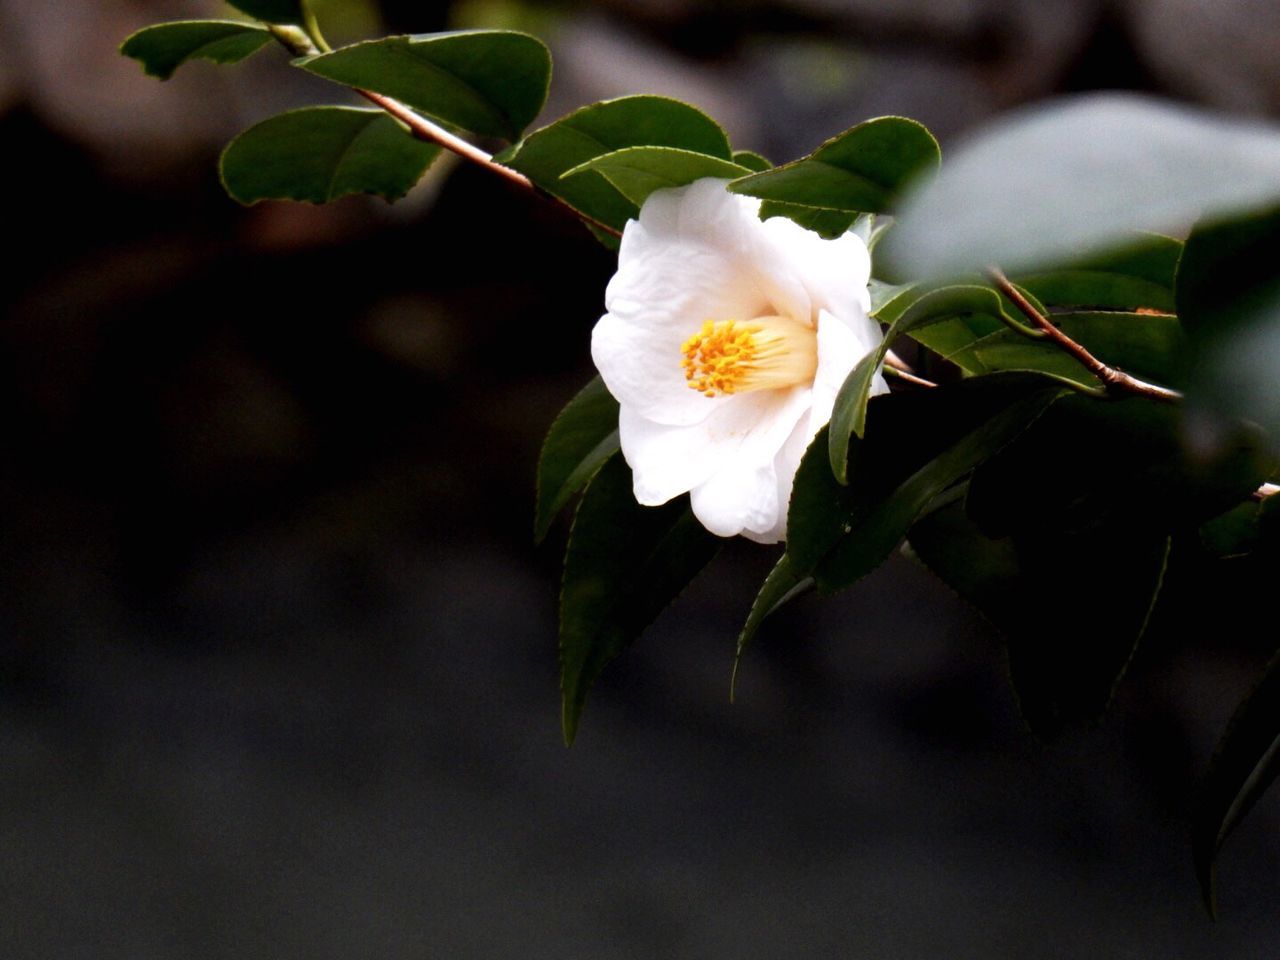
(1138, 276)
(1049, 184)
(916, 446)
(751, 160)
(1229, 300)
(271, 11)
(1245, 763)
(779, 587)
(1235, 533)
(1072, 605)
(860, 170)
(1151, 346)
(825, 223)
(638, 171)
(1120, 458)
(492, 82)
(583, 437)
(322, 153)
(546, 154)
(907, 314)
(623, 565)
(166, 46)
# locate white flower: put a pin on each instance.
(725, 342)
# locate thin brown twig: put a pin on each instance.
(1113, 379)
(902, 370)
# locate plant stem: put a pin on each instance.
(1113, 379)
(312, 26)
(307, 44)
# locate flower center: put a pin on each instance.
(766, 353)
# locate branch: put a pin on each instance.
(1114, 379)
(300, 44)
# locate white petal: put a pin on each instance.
(744, 433)
(839, 350)
(833, 272)
(734, 501)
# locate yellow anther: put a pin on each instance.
(766, 353)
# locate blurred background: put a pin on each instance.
(277, 654)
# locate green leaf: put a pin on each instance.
(271, 11)
(1050, 184)
(491, 82)
(601, 128)
(1072, 605)
(1138, 276)
(1235, 533)
(1122, 458)
(826, 223)
(907, 314)
(860, 170)
(623, 565)
(165, 47)
(638, 171)
(1151, 346)
(583, 437)
(916, 446)
(1245, 763)
(751, 160)
(321, 153)
(1229, 300)
(782, 585)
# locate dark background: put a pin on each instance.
(277, 662)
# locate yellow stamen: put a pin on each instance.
(762, 354)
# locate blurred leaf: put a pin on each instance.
(583, 436)
(782, 584)
(751, 160)
(638, 171)
(271, 11)
(1229, 301)
(826, 223)
(321, 153)
(1072, 605)
(163, 48)
(623, 565)
(1151, 346)
(1120, 458)
(1234, 533)
(916, 446)
(1054, 183)
(905, 314)
(860, 170)
(1137, 276)
(491, 82)
(601, 128)
(1245, 763)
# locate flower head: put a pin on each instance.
(725, 342)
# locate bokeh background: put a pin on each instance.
(277, 662)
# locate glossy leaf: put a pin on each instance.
(905, 315)
(163, 48)
(751, 160)
(623, 565)
(825, 223)
(1137, 276)
(491, 82)
(638, 171)
(1072, 604)
(318, 154)
(271, 11)
(601, 128)
(916, 446)
(583, 437)
(1050, 184)
(860, 170)
(1245, 763)
(1229, 300)
(782, 584)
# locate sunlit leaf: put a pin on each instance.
(321, 153)
(492, 82)
(163, 48)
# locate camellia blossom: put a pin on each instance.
(725, 342)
